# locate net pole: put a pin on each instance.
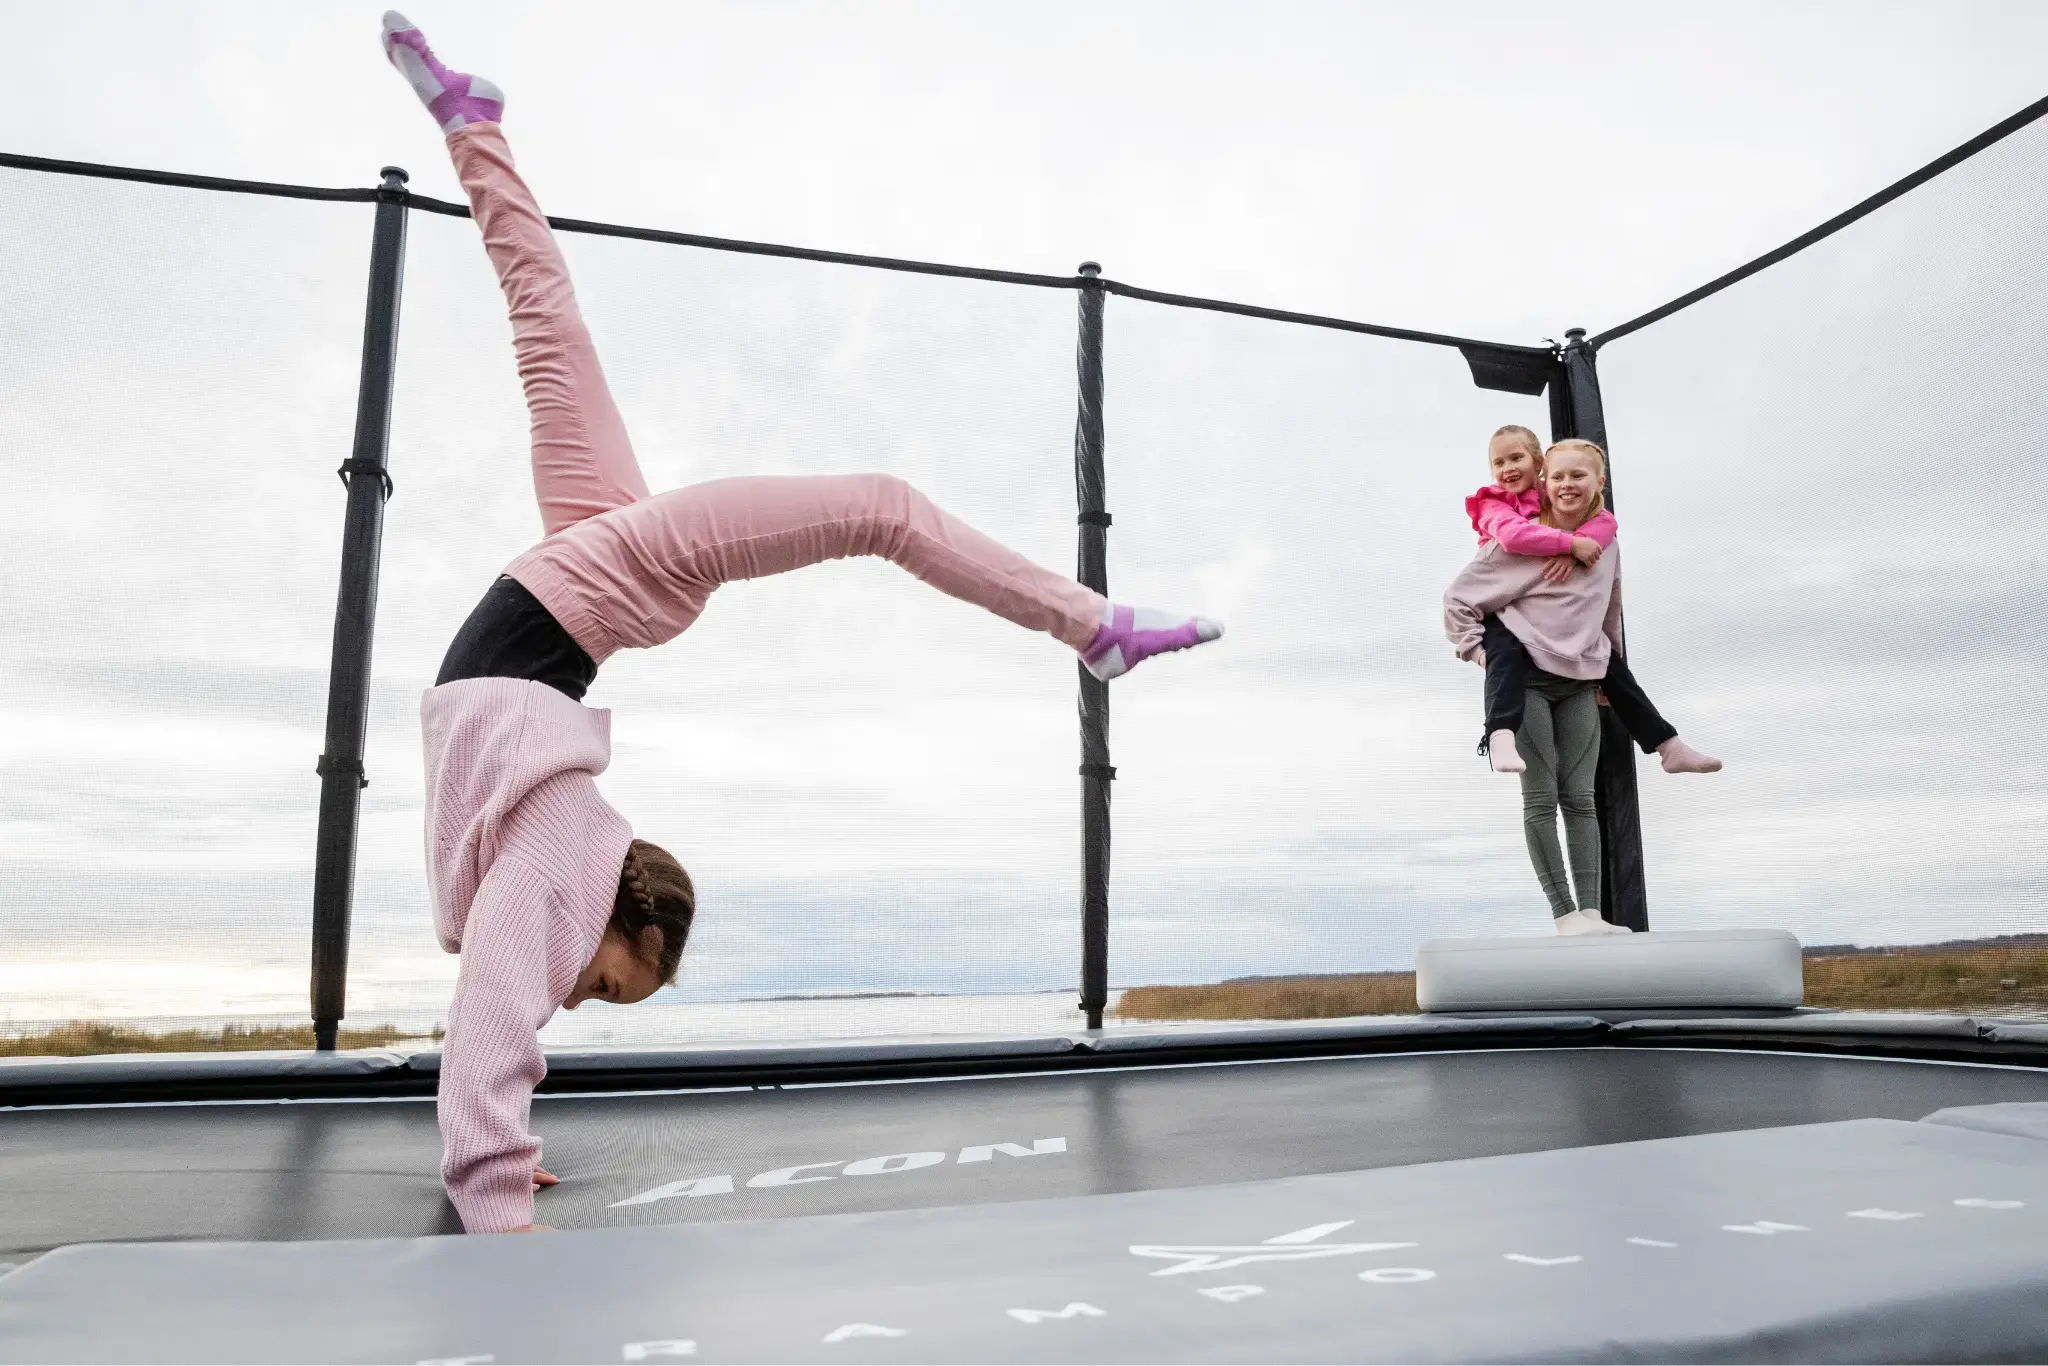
(1576, 411)
(342, 779)
(1093, 570)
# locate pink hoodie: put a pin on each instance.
(1509, 518)
(523, 859)
(1568, 628)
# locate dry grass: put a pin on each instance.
(80, 1037)
(1999, 978)
(2006, 979)
(1275, 998)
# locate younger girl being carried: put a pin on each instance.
(1505, 512)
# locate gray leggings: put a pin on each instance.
(1560, 742)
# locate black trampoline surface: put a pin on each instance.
(355, 1168)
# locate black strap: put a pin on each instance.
(326, 766)
(352, 466)
(1106, 772)
(1093, 519)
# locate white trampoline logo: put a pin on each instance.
(1298, 1246)
(832, 1169)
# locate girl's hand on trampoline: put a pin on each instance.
(1558, 568)
(530, 1228)
(543, 1177)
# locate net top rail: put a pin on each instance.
(1948, 160)
(394, 191)
(426, 203)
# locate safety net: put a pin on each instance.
(1826, 474)
(872, 785)
(177, 385)
(1832, 578)
(1305, 798)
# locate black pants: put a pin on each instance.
(1507, 681)
(510, 635)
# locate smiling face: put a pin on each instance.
(1514, 461)
(1571, 479)
(617, 974)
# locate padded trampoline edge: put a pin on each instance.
(145, 1078)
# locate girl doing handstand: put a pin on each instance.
(537, 882)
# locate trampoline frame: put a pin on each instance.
(390, 1073)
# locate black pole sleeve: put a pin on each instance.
(355, 616)
(1624, 892)
(1093, 571)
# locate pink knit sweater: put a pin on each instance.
(1569, 628)
(523, 860)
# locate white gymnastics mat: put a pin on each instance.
(1673, 969)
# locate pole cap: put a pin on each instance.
(394, 176)
(1574, 334)
(1091, 268)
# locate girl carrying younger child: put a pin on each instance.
(1505, 513)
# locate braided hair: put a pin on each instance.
(654, 893)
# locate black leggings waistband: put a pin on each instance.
(510, 635)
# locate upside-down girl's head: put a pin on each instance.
(1516, 457)
(1574, 479)
(643, 943)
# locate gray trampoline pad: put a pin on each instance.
(1867, 1240)
(355, 1169)
(2023, 1119)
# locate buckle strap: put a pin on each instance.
(328, 765)
(353, 466)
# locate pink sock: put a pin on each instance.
(1130, 635)
(1500, 748)
(1679, 757)
(454, 98)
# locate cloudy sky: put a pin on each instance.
(1824, 477)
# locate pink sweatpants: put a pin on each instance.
(623, 569)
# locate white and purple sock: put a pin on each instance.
(454, 98)
(1130, 635)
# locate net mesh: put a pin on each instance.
(1827, 477)
(171, 421)
(1305, 797)
(872, 785)
(1833, 579)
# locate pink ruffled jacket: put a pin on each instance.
(1510, 519)
(523, 859)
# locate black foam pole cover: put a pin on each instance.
(1576, 411)
(1093, 571)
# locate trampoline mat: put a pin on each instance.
(356, 1169)
(1870, 1240)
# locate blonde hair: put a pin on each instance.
(1577, 446)
(1521, 434)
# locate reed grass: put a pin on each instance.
(78, 1038)
(1996, 978)
(1275, 998)
(2005, 979)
